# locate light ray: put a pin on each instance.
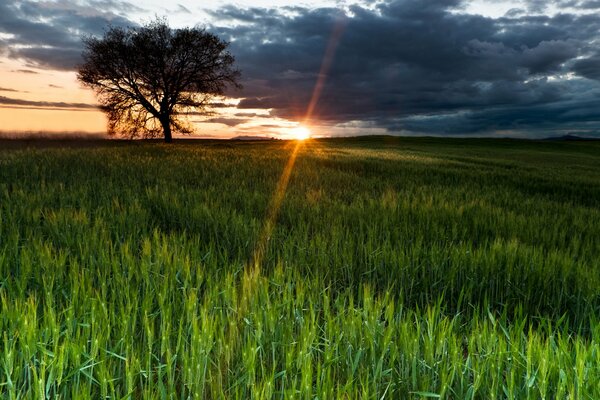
(282, 184)
(274, 207)
(328, 57)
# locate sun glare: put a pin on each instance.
(301, 133)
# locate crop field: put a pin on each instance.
(365, 268)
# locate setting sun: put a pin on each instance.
(301, 133)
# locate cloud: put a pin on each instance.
(2, 89)
(226, 121)
(11, 102)
(182, 9)
(590, 4)
(408, 66)
(48, 33)
(26, 71)
(250, 115)
(421, 66)
(588, 67)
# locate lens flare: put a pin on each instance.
(299, 133)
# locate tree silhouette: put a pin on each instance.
(147, 77)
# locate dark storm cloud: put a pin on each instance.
(48, 34)
(540, 6)
(589, 67)
(543, 118)
(422, 66)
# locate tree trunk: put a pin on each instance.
(166, 125)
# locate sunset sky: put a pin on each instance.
(528, 68)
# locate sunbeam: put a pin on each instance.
(300, 134)
(328, 57)
(275, 206)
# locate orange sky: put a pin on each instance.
(38, 85)
(45, 86)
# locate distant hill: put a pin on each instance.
(253, 138)
(571, 138)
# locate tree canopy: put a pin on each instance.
(148, 77)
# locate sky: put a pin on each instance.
(519, 68)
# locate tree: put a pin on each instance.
(147, 77)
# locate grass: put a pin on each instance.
(395, 268)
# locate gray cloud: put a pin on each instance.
(415, 65)
(48, 34)
(8, 101)
(226, 121)
(251, 115)
(542, 6)
(26, 71)
(590, 4)
(182, 9)
(588, 67)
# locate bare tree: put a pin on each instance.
(146, 78)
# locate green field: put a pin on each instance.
(394, 268)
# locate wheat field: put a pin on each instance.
(377, 268)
